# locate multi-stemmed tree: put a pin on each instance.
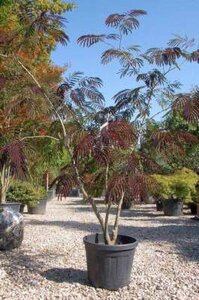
(110, 149)
(113, 143)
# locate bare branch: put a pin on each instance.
(115, 229)
(39, 136)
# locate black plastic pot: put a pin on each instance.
(21, 210)
(159, 205)
(50, 195)
(74, 192)
(173, 207)
(127, 203)
(13, 205)
(40, 209)
(193, 208)
(109, 267)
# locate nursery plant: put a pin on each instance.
(111, 147)
(180, 185)
(115, 143)
(176, 189)
(25, 193)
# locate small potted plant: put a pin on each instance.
(22, 192)
(128, 202)
(159, 205)
(38, 206)
(176, 189)
(193, 207)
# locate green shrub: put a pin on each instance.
(25, 193)
(180, 185)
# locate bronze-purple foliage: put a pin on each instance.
(13, 155)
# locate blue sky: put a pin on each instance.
(164, 18)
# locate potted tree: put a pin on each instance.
(111, 147)
(22, 192)
(114, 145)
(38, 206)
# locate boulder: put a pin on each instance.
(11, 229)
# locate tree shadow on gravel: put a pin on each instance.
(71, 275)
(90, 227)
(146, 211)
(23, 266)
(183, 233)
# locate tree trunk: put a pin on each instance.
(46, 180)
(5, 182)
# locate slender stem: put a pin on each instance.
(159, 112)
(47, 181)
(82, 188)
(106, 124)
(39, 136)
(120, 39)
(107, 236)
(115, 229)
(106, 178)
(4, 55)
(5, 182)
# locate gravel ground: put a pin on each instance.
(51, 264)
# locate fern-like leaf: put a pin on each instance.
(116, 186)
(125, 58)
(13, 155)
(64, 184)
(90, 39)
(179, 41)
(127, 19)
(166, 56)
(188, 104)
(118, 133)
(168, 142)
(193, 56)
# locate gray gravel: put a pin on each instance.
(51, 264)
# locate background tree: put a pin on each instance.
(29, 31)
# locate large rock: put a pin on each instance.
(11, 229)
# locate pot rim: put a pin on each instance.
(89, 241)
(8, 203)
(173, 200)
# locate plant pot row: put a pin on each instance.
(17, 207)
(39, 209)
